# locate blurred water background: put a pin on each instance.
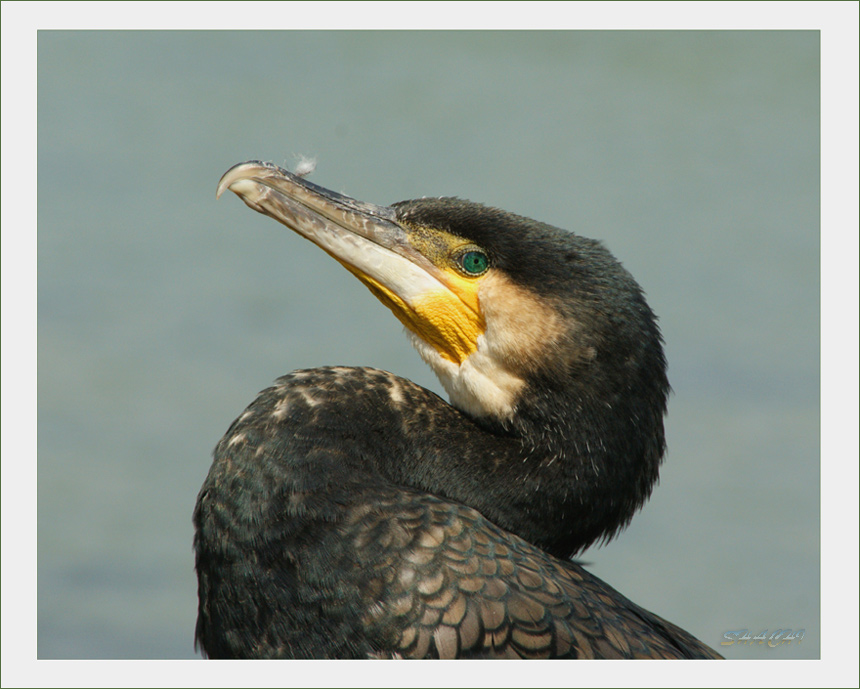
(693, 155)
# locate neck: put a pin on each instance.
(567, 470)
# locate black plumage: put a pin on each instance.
(350, 513)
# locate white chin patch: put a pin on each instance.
(480, 386)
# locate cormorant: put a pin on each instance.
(350, 513)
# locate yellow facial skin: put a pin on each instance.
(449, 319)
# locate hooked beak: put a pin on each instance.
(367, 240)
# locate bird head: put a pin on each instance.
(496, 304)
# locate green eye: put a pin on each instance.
(473, 262)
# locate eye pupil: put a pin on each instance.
(474, 262)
